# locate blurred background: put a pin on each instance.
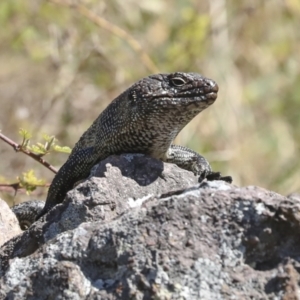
(62, 64)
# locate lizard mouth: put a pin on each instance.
(212, 95)
(197, 97)
(209, 93)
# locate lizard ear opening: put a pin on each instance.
(178, 81)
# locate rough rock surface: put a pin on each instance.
(9, 226)
(147, 230)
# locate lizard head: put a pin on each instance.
(155, 109)
(178, 91)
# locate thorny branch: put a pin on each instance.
(16, 186)
(19, 148)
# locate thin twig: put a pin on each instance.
(114, 29)
(36, 157)
(9, 187)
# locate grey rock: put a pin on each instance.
(9, 226)
(127, 235)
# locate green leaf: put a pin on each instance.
(63, 149)
(25, 134)
(49, 138)
(38, 149)
(29, 181)
(50, 143)
(26, 137)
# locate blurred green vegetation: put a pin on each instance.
(59, 70)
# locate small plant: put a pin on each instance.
(42, 149)
(28, 180)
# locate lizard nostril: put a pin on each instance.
(211, 86)
(215, 87)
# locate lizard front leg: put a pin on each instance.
(190, 160)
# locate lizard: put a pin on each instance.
(145, 118)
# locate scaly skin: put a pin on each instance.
(146, 118)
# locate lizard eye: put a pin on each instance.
(178, 81)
